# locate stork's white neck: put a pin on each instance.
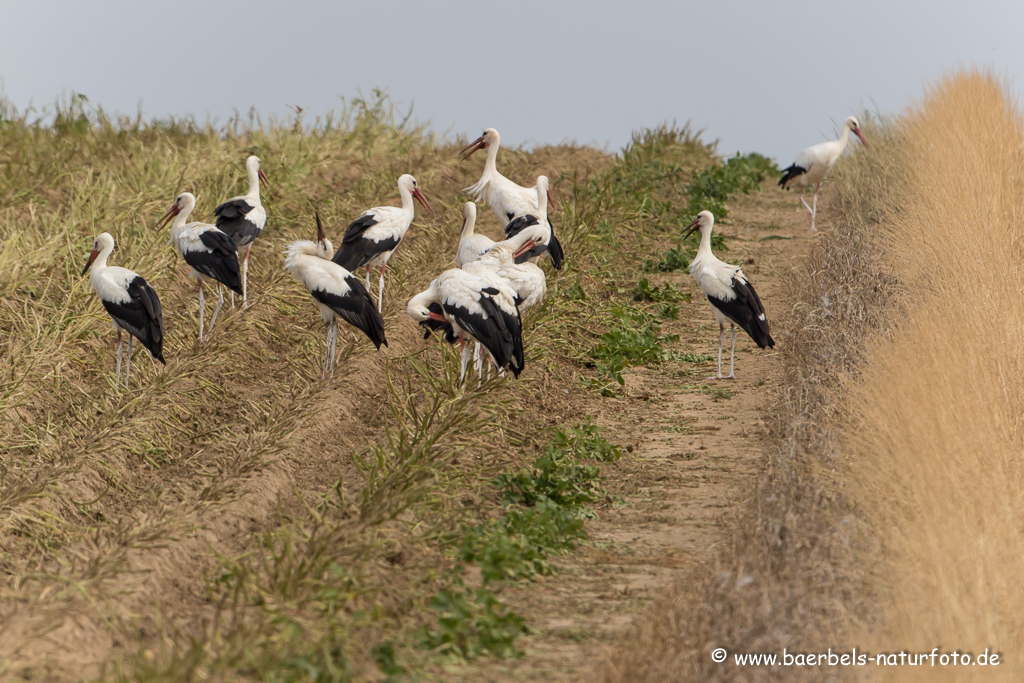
(101, 259)
(491, 165)
(254, 182)
(469, 226)
(542, 203)
(182, 218)
(844, 138)
(407, 202)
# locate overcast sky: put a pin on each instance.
(758, 76)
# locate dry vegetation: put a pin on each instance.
(889, 517)
(232, 517)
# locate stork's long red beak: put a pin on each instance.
(422, 200)
(92, 257)
(320, 234)
(473, 146)
(263, 179)
(856, 131)
(551, 202)
(692, 227)
(436, 316)
(171, 212)
(530, 244)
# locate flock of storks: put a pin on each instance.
(479, 302)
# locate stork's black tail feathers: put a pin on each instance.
(789, 173)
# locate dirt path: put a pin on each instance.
(695, 451)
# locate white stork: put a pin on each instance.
(337, 292)
(210, 252)
(129, 300)
(730, 295)
(550, 243)
(509, 260)
(814, 163)
(479, 307)
(242, 219)
(507, 199)
(471, 244)
(372, 238)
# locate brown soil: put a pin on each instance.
(695, 451)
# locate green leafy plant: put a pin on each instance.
(673, 259)
(710, 189)
(585, 441)
(644, 292)
(471, 623)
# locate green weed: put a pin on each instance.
(471, 623)
(711, 188)
(644, 292)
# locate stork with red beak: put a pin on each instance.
(814, 163)
(371, 239)
(209, 251)
(729, 294)
(337, 292)
(243, 218)
(130, 301)
(507, 199)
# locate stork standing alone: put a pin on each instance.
(507, 199)
(130, 301)
(730, 295)
(337, 292)
(814, 163)
(480, 307)
(371, 239)
(210, 252)
(243, 218)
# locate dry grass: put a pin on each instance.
(934, 443)
(889, 517)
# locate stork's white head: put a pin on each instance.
(703, 222)
(490, 138)
(407, 185)
(183, 204)
(426, 305)
(527, 239)
(255, 171)
(853, 125)
(104, 243)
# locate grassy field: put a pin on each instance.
(231, 516)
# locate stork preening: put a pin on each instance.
(337, 292)
(371, 239)
(814, 163)
(243, 218)
(550, 243)
(730, 295)
(480, 307)
(209, 251)
(130, 301)
(471, 243)
(506, 198)
(509, 260)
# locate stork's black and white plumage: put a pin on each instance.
(506, 198)
(370, 239)
(209, 251)
(243, 219)
(337, 292)
(509, 259)
(814, 163)
(731, 296)
(480, 308)
(130, 301)
(471, 243)
(550, 244)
